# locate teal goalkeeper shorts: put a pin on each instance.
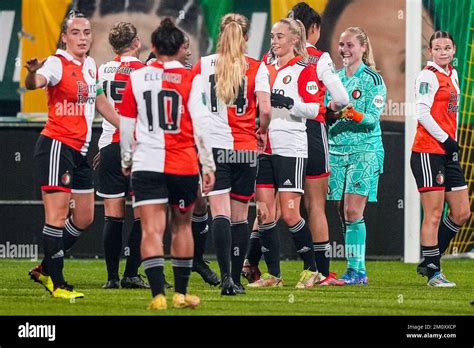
(356, 173)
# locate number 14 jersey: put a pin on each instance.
(233, 127)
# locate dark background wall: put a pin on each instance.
(22, 215)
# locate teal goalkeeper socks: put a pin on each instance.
(355, 244)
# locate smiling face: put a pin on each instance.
(442, 51)
(78, 37)
(350, 49)
(282, 40)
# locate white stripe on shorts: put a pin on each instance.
(326, 148)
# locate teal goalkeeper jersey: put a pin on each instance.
(367, 92)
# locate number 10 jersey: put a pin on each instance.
(166, 99)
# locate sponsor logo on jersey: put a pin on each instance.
(440, 179)
(287, 79)
(66, 179)
(378, 101)
(356, 94)
(312, 87)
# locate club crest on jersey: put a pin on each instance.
(66, 178)
(440, 178)
(312, 87)
(287, 79)
(356, 94)
(91, 73)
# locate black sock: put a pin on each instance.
(134, 258)
(200, 229)
(322, 257)
(239, 246)
(153, 267)
(270, 241)
(447, 230)
(54, 253)
(432, 259)
(112, 245)
(181, 270)
(222, 242)
(304, 244)
(254, 251)
(70, 234)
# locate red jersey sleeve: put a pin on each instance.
(307, 85)
(128, 107)
(197, 68)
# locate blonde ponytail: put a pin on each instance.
(361, 35)
(231, 63)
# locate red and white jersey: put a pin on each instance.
(165, 98)
(440, 91)
(287, 133)
(325, 72)
(113, 77)
(71, 87)
(233, 127)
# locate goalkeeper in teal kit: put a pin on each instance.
(356, 151)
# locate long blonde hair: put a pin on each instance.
(297, 29)
(368, 56)
(231, 63)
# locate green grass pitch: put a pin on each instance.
(394, 289)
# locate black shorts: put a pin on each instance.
(59, 167)
(179, 191)
(282, 173)
(111, 182)
(435, 172)
(318, 150)
(236, 172)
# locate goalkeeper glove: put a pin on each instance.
(452, 149)
(352, 114)
(281, 101)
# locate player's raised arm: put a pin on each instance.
(32, 79)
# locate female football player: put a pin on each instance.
(233, 83)
(113, 185)
(355, 147)
(163, 104)
(64, 175)
(435, 157)
(282, 166)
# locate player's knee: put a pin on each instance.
(83, 221)
(353, 214)
(433, 217)
(291, 218)
(56, 220)
(200, 208)
(460, 217)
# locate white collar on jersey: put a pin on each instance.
(68, 56)
(440, 69)
(309, 45)
(129, 59)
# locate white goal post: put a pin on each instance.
(413, 44)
